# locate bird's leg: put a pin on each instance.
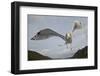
(67, 46)
(71, 47)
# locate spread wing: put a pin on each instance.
(45, 34)
(77, 25)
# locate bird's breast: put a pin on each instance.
(69, 40)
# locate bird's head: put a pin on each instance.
(68, 35)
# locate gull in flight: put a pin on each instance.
(47, 33)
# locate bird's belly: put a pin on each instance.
(69, 40)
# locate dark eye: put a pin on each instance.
(38, 33)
